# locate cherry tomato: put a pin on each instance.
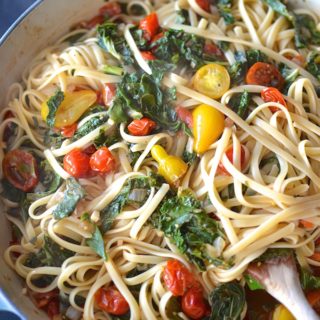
(112, 301)
(178, 278)
(314, 299)
(20, 169)
(149, 25)
(157, 37)
(265, 74)
(212, 49)
(193, 303)
(110, 9)
(297, 59)
(69, 131)
(204, 4)
(90, 150)
(229, 154)
(306, 224)
(108, 93)
(102, 161)
(10, 127)
(76, 163)
(147, 55)
(141, 127)
(53, 308)
(273, 95)
(185, 115)
(92, 23)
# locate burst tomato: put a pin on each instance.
(141, 127)
(193, 303)
(69, 131)
(102, 161)
(147, 55)
(93, 22)
(273, 95)
(229, 154)
(76, 163)
(204, 4)
(110, 9)
(185, 115)
(111, 301)
(20, 169)
(149, 25)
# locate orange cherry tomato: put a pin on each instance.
(204, 4)
(178, 278)
(193, 303)
(315, 256)
(108, 93)
(185, 115)
(92, 23)
(102, 161)
(20, 169)
(76, 163)
(110, 9)
(265, 74)
(150, 25)
(147, 55)
(141, 127)
(69, 131)
(229, 154)
(314, 299)
(273, 95)
(112, 301)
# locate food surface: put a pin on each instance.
(160, 155)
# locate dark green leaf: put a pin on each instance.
(53, 138)
(53, 104)
(106, 139)
(274, 253)
(254, 56)
(227, 302)
(239, 103)
(306, 32)
(313, 64)
(183, 17)
(224, 7)
(279, 7)
(189, 157)
(308, 280)
(72, 195)
(10, 192)
(96, 243)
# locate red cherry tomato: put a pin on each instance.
(92, 23)
(108, 93)
(157, 36)
(76, 163)
(53, 308)
(193, 304)
(147, 55)
(90, 150)
(229, 154)
(112, 301)
(110, 9)
(265, 74)
(102, 161)
(212, 49)
(141, 127)
(20, 169)
(204, 4)
(178, 278)
(69, 131)
(185, 115)
(149, 25)
(314, 299)
(273, 95)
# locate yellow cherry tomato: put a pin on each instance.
(213, 80)
(170, 167)
(282, 313)
(73, 106)
(208, 125)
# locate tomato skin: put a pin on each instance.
(110, 9)
(149, 25)
(76, 163)
(90, 150)
(157, 36)
(53, 308)
(93, 22)
(47, 301)
(273, 95)
(204, 4)
(193, 304)
(265, 74)
(178, 278)
(111, 301)
(185, 115)
(108, 93)
(20, 169)
(297, 59)
(314, 299)
(69, 131)
(102, 161)
(229, 154)
(147, 55)
(141, 127)
(212, 49)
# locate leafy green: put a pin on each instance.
(308, 280)
(279, 7)
(289, 75)
(188, 226)
(183, 17)
(306, 32)
(274, 253)
(270, 160)
(51, 254)
(141, 95)
(53, 138)
(252, 283)
(53, 104)
(239, 103)
(73, 194)
(96, 243)
(189, 157)
(254, 55)
(224, 7)
(105, 68)
(10, 192)
(106, 139)
(227, 302)
(313, 64)
(112, 41)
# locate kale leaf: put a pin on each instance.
(106, 139)
(188, 226)
(53, 104)
(189, 157)
(239, 103)
(274, 253)
(53, 138)
(51, 254)
(305, 31)
(279, 7)
(313, 64)
(227, 302)
(183, 17)
(224, 8)
(96, 243)
(72, 195)
(308, 280)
